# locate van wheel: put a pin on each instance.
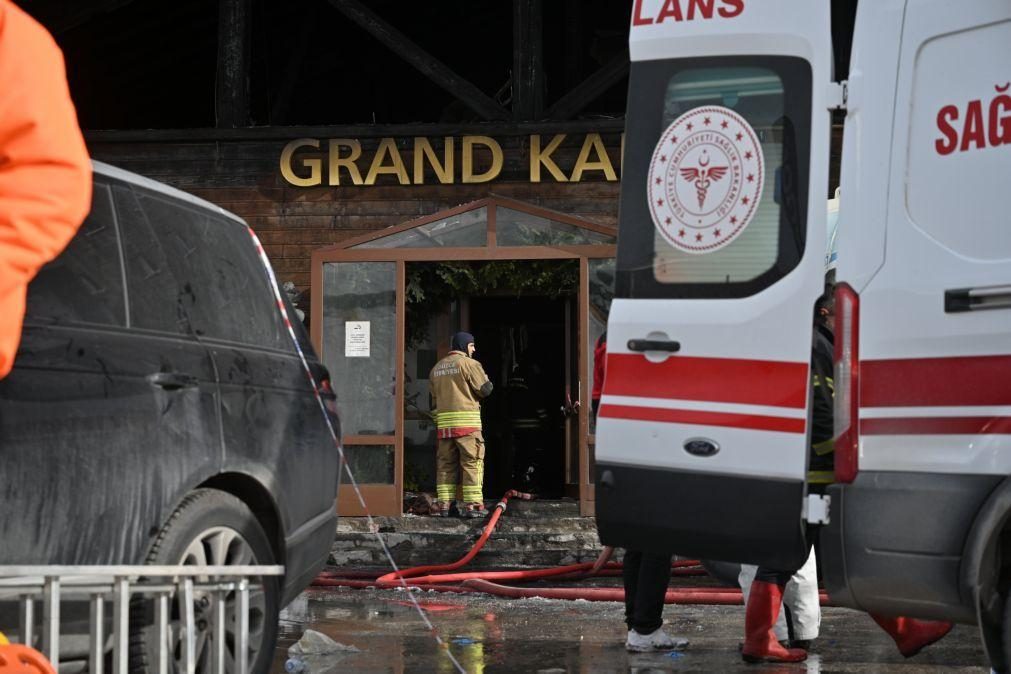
(725, 572)
(210, 528)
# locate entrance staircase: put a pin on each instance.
(529, 534)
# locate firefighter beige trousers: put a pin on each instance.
(456, 456)
(800, 596)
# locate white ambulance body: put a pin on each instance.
(703, 430)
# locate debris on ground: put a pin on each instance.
(317, 643)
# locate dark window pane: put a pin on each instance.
(157, 299)
(84, 284)
(371, 464)
(218, 285)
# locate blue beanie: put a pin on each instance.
(460, 341)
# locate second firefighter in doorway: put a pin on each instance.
(458, 382)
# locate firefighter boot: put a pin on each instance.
(473, 510)
(912, 636)
(439, 509)
(760, 643)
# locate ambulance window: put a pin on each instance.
(712, 201)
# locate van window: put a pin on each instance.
(733, 179)
(84, 284)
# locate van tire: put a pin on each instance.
(203, 517)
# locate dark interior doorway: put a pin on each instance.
(521, 342)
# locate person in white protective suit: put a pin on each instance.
(801, 594)
(800, 597)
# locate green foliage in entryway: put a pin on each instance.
(432, 285)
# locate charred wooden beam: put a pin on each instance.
(428, 65)
(528, 59)
(293, 66)
(231, 103)
(573, 32)
(287, 133)
(590, 88)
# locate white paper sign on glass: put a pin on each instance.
(356, 339)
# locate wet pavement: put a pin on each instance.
(547, 636)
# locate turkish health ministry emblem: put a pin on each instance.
(705, 179)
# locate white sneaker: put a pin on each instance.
(657, 640)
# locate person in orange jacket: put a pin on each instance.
(45, 175)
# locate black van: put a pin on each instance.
(158, 411)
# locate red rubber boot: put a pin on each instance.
(912, 636)
(760, 643)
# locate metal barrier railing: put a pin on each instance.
(118, 584)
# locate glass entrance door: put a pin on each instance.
(359, 321)
(362, 347)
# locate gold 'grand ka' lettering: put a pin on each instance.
(310, 162)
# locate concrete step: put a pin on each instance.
(498, 560)
(541, 533)
(415, 524)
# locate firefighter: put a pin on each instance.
(45, 176)
(766, 598)
(458, 382)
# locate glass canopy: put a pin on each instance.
(488, 223)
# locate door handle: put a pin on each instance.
(172, 381)
(654, 345)
(977, 299)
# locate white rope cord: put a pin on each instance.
(340, 449)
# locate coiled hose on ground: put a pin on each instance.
(437, 578)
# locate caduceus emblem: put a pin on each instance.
(703, 176)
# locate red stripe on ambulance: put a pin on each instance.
(723, 380)
(936, 426)
(936, 382)
(701, 418)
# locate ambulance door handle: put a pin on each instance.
(641, 345)
(977, 299)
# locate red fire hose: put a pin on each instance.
(488, 528)
(435, 578)
(697, 595)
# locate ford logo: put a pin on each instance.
(701, 447)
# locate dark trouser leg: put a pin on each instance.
(630, 578)
(774, 576)
(644, 613)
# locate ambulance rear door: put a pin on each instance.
(703, 425)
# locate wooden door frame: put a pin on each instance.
(387, 499)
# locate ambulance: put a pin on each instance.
(703, 429)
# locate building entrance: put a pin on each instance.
(523, 347)
(536, 347)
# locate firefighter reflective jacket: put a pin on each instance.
(45, 176)
(458, 382)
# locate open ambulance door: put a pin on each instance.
(702, 433)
